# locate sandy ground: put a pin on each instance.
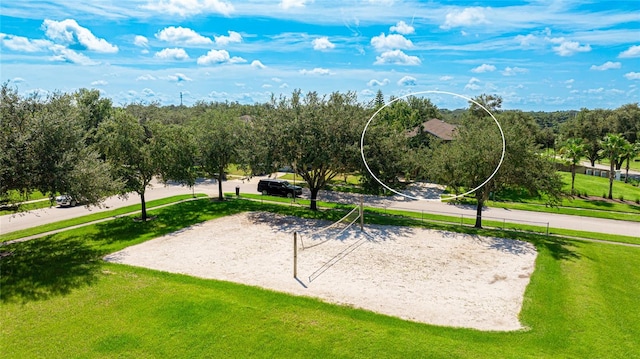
(427, 276)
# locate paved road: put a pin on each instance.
(9, 223)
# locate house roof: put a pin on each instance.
(438, 128)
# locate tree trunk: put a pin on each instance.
(573, 177)
(626, 176)
(480, 199)
(619, 164)
(144, 207)
(314, 196)
(611, 176)
(220, 175)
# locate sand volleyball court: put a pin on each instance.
(428, 276)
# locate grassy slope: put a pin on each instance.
(58, 301)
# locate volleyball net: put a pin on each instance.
(336, 231)
(333, 231)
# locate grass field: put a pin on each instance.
(594, 207)
(59, 300)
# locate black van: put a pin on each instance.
(278, 187)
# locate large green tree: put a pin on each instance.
(388, 156)
(127, 145)
(591, 126)
(474, 154)
(628, 121)
(317, 136)
(176, 148)
(17, 157)
(93, 110)
(45, 149)
(219, 138)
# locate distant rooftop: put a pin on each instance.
(438, 128)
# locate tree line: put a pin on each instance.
(80, 144)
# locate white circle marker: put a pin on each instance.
(364, 131)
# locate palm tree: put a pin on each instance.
(612, 147)
(631, 151)
(573, 150)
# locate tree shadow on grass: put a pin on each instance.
(46, 267)
(119, 233)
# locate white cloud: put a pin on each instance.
(407, 81)
(20, 43)
(570, 81)
(316, 71)
(257, 64)
(632, 75)
(322, 43)
(468, 17)
(17, 80)
(393, 41)
(288, 4)
(472, 84)
(182, 36)
(172, 54)
(375, 82)
(147, 92)
(67, 55)
(446, 78)
(141, 41)
(396, 57)
(189, 7)
(402, 28)
(526, 40)
(512, 71)
(146, 77)
(179, 77)
(284, 86)
(225, 40)
(592, 91)
(484, 68)
(568, 48)
(68, 32)
(606, 66)
(367, 93)
(633, 51)
(99, 83)
(219, 57)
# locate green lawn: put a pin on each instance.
(634, 165)
(7, 236)
(599, 186)
(589, 185)
(58, 300)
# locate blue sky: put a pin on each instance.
(538, 55)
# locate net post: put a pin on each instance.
(295, 254)
(361, 213)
